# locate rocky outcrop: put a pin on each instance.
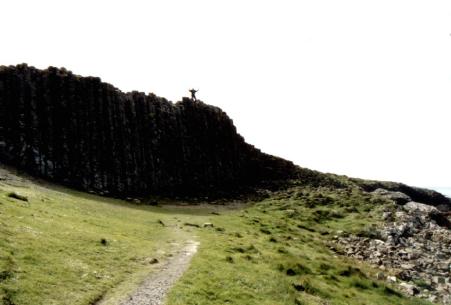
(412, 245)
(87, 134)
(397, 197)
(417, 194)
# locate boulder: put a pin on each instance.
(412, 206)
(428, 211)
(409, 288)
(397, 197)
(391, 279)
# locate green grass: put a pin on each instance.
(271, 252)
(276, 252)
(51, 249)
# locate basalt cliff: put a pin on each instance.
(87, 134)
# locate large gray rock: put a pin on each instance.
(397, 197)
(412, 206)
(409, 288)
(427, 212)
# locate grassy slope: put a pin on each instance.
(50, 249)
(267, 253)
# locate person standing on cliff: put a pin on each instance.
(193, 94)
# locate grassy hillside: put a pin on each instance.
(276, 252)
(67, 247)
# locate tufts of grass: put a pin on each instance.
(14, 195)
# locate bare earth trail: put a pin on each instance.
(153, 290)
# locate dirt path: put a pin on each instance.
(154, 289)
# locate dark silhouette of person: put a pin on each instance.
(193, 94)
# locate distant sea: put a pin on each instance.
(444, 190)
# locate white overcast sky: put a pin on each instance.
(360, 87)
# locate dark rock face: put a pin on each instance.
(89, 135)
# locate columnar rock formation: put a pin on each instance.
(88, 134)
